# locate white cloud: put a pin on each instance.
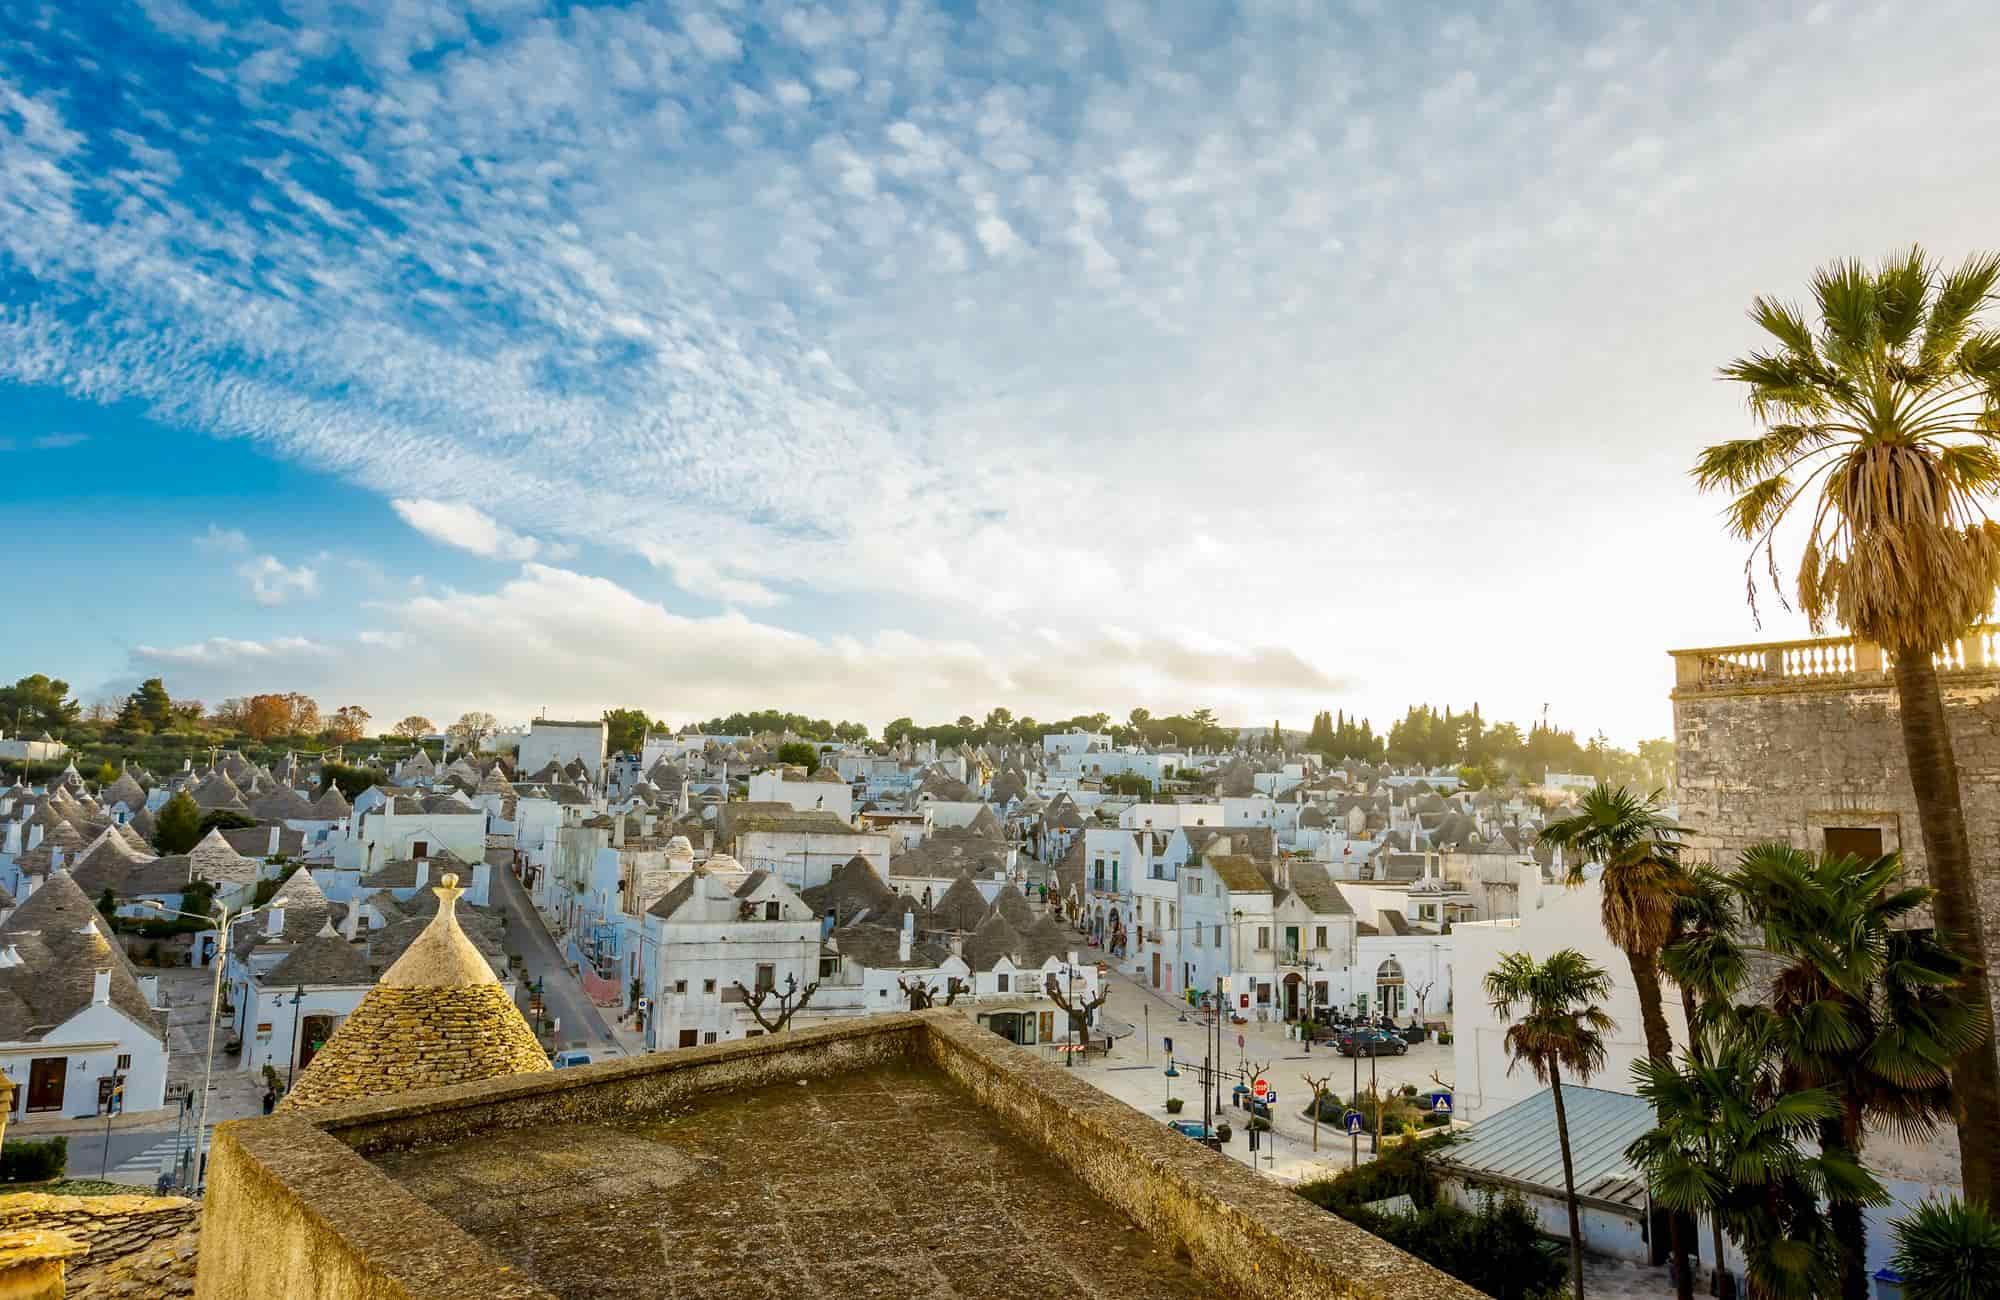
(699, 575)
(471, 529)
(553, 638)
(220, 540)
(273, 583)
(58, 441)
(1275, 284)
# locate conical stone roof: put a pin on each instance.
(438, 1016)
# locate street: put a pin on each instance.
(1135, 1073)
(582, 1025)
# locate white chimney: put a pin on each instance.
(274, 922)
(273, 850)
(100, 989)
(907, 937)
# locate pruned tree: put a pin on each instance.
(792, 1001)
(923, 993)
(1319, 1087)
(1078, 1010)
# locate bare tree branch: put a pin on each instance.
(1080, 1012)
(792, 1001)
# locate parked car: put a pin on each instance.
(564, 1060)
(1370, 1042)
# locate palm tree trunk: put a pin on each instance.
(1660, 1047)
(1850, 1228)
(1934, 779)
(1569, 1184)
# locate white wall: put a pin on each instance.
(555, 743)
(92, 1040)
(803, 796)
(1566, 918)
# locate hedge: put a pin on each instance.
(27, 1161)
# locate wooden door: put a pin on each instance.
(46, 1075)
(688, 1038)
(1156, 970)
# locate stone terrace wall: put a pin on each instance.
(295, 1209)
(1253, 1238)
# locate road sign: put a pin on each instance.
(1239, 1040)
(1442, 1105)
(1262, 1088)
(1354, 1121)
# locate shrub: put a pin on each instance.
(1498, 1248)
(1174, 1105)
(33, 1162)
(1949, 1250)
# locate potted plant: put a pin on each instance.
(1174, 1105)
(1222, 1132)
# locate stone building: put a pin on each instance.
(1801, 742)
(439, 1016)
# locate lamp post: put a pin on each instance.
(298, 996)
(223, 920)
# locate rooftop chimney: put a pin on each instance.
(907, 937)
(274, 922)
(100, 988)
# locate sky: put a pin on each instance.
(878, 359)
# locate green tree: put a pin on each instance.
(1638, 851)
(178, 827)
(1949, 1250)
(1561, 1028)
(38, 703)
(149, 708)
(224, 819)
(349, 780)
(1876, 428)
(1130, 783)
(625, 730)
(1733, 1140)
(1866, 1007)
(898, 730)
(798, 753)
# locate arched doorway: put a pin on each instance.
(1294, 986)
(313, 1033)
(1389, 988)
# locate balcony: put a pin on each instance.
(1822, 663)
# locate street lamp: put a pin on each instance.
(223, 920)
(298, 996)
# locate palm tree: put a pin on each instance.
(1734, 1141)
(1949, 1250)
(1871, 1010)
(1706, 961)
(1638, 848)
(1878, 429)
(1561, 1027)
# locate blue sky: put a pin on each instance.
(885, 358)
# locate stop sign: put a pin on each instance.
(1262, 1089)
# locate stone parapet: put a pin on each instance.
(139, 1245)
(296, 1206)
(1820, 663)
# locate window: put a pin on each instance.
(124, 1061)
(1218, 936)
(1263, 937)
(708, 986)
(1263, 995)
(1002, 981)
(1319, 936)
(420, 848)
(829, 967)
(767, 976)
(680, 986)
(1197, 936)
(1156, 914)
(1864, 842)
(771, 910)
(708, 1037)
(1194, 884)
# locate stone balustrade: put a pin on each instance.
(1836, 662)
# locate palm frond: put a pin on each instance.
(1961, 293)
(1902, 283)
(1845, 292)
